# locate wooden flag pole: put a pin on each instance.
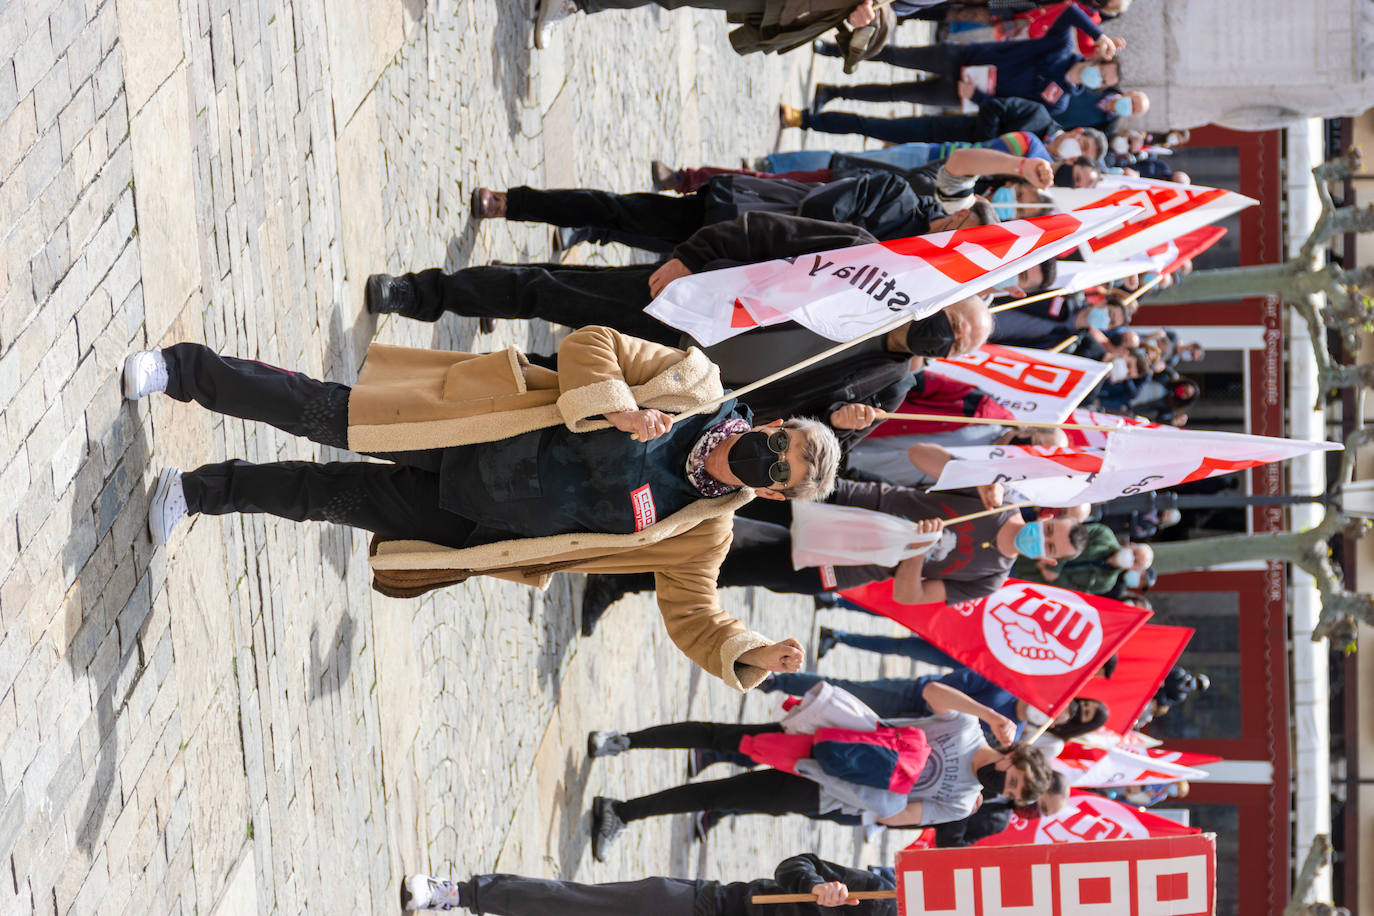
(992, 421)
(811, 898)
(1159, 278)
(1038, 297)
(1039, 731)
(986, 512)
(1063, 344)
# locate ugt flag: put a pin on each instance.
(1166, 211)
(1137, 459)
(1034, 385)
(1040, 642)
(1142, 663)
(847, 293)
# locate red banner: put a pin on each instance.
(1142, 663)
(1039, 642)
(1159, 876)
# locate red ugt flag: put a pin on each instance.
(1040, 642)
(1142, 663)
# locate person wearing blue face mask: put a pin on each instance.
(1102, 108)
(1045, 324)
(1047, 70)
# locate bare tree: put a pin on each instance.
(1349, 310)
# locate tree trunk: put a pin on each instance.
(1204, 553)
(1226, 284)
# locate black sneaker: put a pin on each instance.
(601, 592)
(825, 642)
(388, 295)
(825, 93)
(826, 48)
(606, 826)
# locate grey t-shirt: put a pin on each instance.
(948, 787)
(886, 456)
(959, 559)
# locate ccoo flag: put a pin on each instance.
(847, 293)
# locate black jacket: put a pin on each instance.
(876, 200)
(798, 875)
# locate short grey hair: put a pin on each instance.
(821, 452)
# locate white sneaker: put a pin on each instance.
(168, 505)
(144, 373)
(550, 11)
(421, 892)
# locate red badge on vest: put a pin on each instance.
(1052, 93)
(827, 577)
(642, 502)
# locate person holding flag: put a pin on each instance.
(960, 769)
(496, 467)
(515, 895)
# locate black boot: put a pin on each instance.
(826, 48)
(387, 295)
(600, 594)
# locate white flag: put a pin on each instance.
(850, 292)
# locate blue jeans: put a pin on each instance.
(913, 647)
(889, 697)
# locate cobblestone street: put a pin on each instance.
(235, 722)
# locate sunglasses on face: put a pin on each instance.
(778, 443)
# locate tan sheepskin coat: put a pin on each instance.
(417, 399)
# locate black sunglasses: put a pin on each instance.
(778, 442)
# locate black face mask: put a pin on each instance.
(752, 459)
(993, 780)
(1063, 176)
(933, 336)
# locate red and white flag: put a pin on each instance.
(1075, 276)
(1098, 767)
(1034, 385)
(847, 293)
(1168, 210)
(1137, 459)
(1086, 817)
(1039, 642)
(1097, 438)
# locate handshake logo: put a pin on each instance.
(1038, 631)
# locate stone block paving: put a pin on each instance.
(235, 722)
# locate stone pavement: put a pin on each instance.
(235, 723)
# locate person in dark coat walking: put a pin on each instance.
(514, 895)
(879, 202)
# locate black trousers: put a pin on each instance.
(397, 500)
(576, 296)
(762, 791)
(516, 895)
(942, 89)
(994, 118)
(664, 219)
